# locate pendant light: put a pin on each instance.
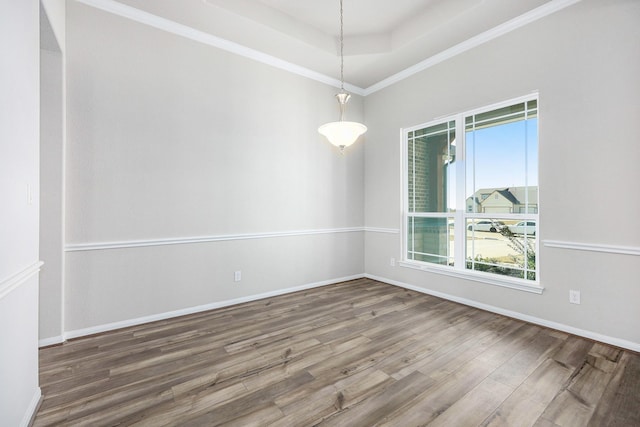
(342, 133)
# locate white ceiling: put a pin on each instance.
(384, 39)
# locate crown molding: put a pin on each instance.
(146, 18)
(500, 30)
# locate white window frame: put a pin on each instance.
(461, 215)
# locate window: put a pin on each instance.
(431, 189)
(485, 162)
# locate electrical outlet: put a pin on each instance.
(237, 276)
(574, 297)
(392, 262)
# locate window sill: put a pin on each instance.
(491, 279)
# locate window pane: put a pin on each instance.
(510, 250)
(411, 194)
(502, 162)
(532, 166)
(502, 116)
(431, 169)
(430, 240)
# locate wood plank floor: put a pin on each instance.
(359, 353)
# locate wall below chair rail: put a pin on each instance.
(116, 285)
(19, 394)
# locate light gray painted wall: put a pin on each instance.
(55, 11)
(585, 63)
(19, 134)
(136, 283)
(51, 194)
(169, 138)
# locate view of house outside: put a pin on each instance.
(502, 245)
(501, 186)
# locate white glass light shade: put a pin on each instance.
(342, 134)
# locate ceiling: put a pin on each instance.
(383, 40)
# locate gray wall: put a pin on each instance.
(172, 139)
(168, 138)
(52, 137)
(19, 134)
(51, 185)
(585, 63)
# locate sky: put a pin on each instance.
(500, 154)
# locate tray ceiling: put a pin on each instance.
(384, 40)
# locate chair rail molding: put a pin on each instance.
(382, 230)
(12, 282)
(612, 249)
(75, 247)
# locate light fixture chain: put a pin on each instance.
(342, 134)
(341, 48)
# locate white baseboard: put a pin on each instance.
(513, 314)
(516, 315)
(30, 414)
(45, 342)
(197, 309)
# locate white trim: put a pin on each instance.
(403, 195)
(477, 276)
(169, 26)
(500, 215)
(203, 239)
(513, 24)
(523, 99)
(382, 230)
(51, 341)
(611, 249)
(10, 283)
(516, 315)
(137, 15)
(200, 308)
(460, 216)
(63, 228)
(30, 413)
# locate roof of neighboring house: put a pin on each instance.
(515, 195)
(509, 196)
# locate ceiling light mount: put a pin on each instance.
(342, 134)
